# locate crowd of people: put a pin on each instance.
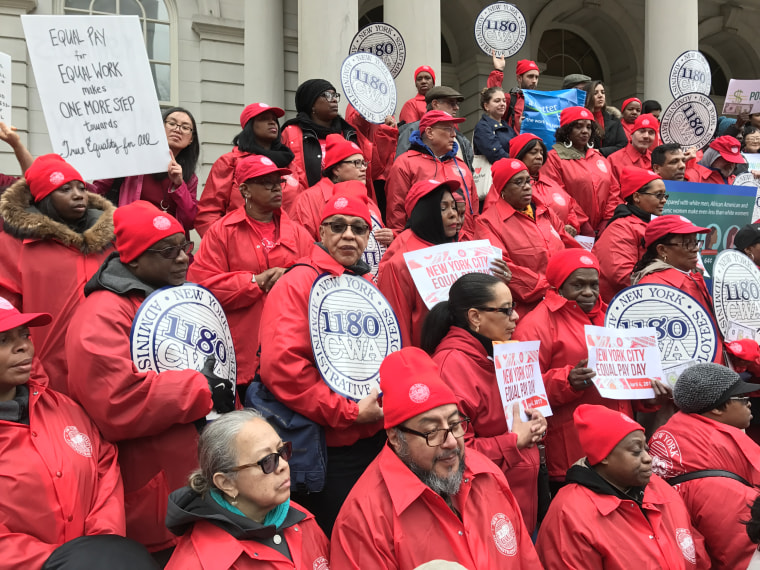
(126, 470)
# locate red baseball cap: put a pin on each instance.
(629, 101)
(600, 429)
(670, 224)
(347, 204)
(524, 66)
(432, 117)
(255, 165)
(565, 261)
(255, 109)
(729, 149)
(504, 169)
(338, 148)
(646, 121)
(634, 179)
(139, 225)
(10, 317)
(48, 173)
(572, 114)
(424, 68)
(746, 349)
(423, 188)
(518, 143)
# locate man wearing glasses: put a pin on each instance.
(704, 451)
(420, 500)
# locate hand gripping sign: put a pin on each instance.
(736, 291)
(352, 329)
(683, 328)
(500, 29)
(374, 251)
(384, 41)
(368, 86)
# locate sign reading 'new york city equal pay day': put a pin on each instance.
(97, 93)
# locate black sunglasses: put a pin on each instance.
(269, 463)
(504, 310)
(340, 227)
(172, 251)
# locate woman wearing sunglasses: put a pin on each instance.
(236, 511)
(459, 333)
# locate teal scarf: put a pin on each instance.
(274, 517)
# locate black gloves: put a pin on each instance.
(221, 389)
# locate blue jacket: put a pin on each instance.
(491, 138)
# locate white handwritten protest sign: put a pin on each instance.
(625, 360)
(519, 377)
(5, 88)
(97, 93)
(434, 269)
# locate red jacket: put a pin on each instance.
(221, 195)
(695, 172)
(59, 480)
(413, 109)
(628, 156)
(208, 547)
(618, 249)
(718, 505)
(466, 367)
(391, 519)
(589, 180)
(287, 358)
(148, 415)
(231, 253)
(383, 140)
(46, 273)
(584, 529)
(561, 203)
(694, 285)
(526, 246)
(396, 284)
(413, 166)
(495, 79)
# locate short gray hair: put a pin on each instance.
(216, 448)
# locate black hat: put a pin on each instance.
(308, 92)
(747, 236)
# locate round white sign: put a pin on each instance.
(684, 328)
(736, 291)
(746, 179)
(352, 328)
(368, 86)
(374, 251)
(384, 41)
(690, 120)
(690, 74)
(500, 29)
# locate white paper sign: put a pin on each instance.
(742, 96)
(5, 88)
(738, 331)
(434, 269)
(97, 93)
(586, 241)
(625, 361)
(519, 377)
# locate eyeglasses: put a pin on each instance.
(270, 184)
(174, 125)
(269, 463)
(689, 245)
(358, 163)
(172, 252)
(503, 310)
(522, 182)
(660, 195)
(341, 227)
(331, 96)
(436, 437)
(451, 130)
(743, 399)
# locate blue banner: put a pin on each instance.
(542, 109)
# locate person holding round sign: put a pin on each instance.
(747, 240)
(243, 255)
(526, 76)
(638, 152)
(459, 333)
(260, 136)
(150, 415)
(620, 245)
(630, 109)
(55, 236)
(414, 108)
(718, 162)
(611, 136)
(580, 169)
(525, 229)
(291, 323)
(492, 135)
(672, 252)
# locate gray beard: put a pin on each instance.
(444, 486)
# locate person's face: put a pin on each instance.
(599, 96)
(70, 200)
(347, 169)
(681, 251)
(16, 353)
(179, 131)
(629, 464)
(534, 159)
(449, 104)
(752, 143)
(643, 139)
(441, 137)
(582, 286)
(737, 413)
(153, 268)
(496, 106)
(656, 113)
(449, 215)
(652, 198)
(726, 168)
(495, 324)
(518, 192)
(580, 133)
(265, 127)
(345, 247)
(323, 109)
(753, 252)
(674, 166)
(754, 120)
(423, 82)
(528, 80)
(631, 112)
(259, 197)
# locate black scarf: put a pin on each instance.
(278, 153)
(303, 120)
(625, 210)
(425, 220)
(17, 409)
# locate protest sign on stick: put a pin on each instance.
(519, 377)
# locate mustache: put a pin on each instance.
(449, 454)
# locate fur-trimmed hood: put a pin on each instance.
(24, 221)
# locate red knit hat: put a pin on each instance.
(347, 204)
(600, 429)
(504, 169)
(411, 385)
(255, 165)
(646, 121)
(729, 149)
(351, 187)
(670, 224)
(518, 143)
(255, 109)
(338, 148)
(572, 114)
(634, 179)
(432, 117)
(138, 226)
(423, 188)
(424, 68)
(629, 101)
(48, 173)
(10, 317)
(564, 262)
(524, 66)
(746, 349)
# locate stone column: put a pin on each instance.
(264, 53)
